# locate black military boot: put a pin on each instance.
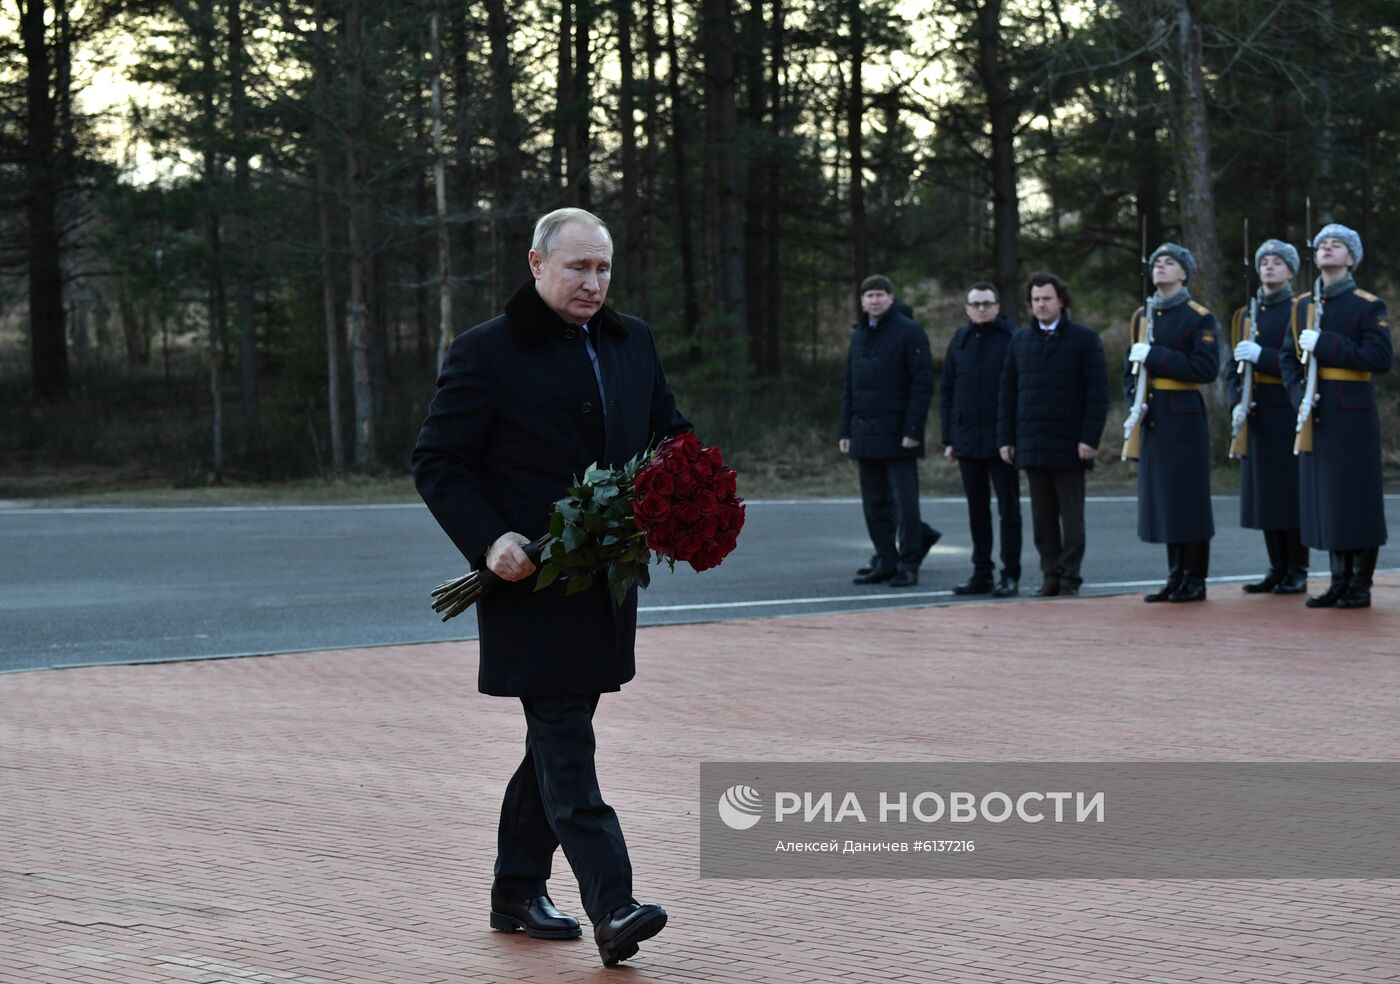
(1358, 593)
(1274, 543)
(1195, 565)
(1341, 577)
(1174, 575)
(1297, 580)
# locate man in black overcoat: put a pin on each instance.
(885, 398)
(968, 403)
(526, 402)
(1054, 401)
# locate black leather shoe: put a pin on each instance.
(904, 579)
(537, 917)
(974, 586)
(1069, 592)
(1295, 582)
(1328, 598)
(1007, 587)
(1191, 589)
(618, 935)
(1049, 588)
(931, 536)
(1273, 579)
(874, 563)
(877, 576)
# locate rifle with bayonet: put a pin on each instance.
(1239, 432)
(1132, 425)
(1303, 442)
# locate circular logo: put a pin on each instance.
(740, 807)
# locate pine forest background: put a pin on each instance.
(235, 234)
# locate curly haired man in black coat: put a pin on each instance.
(1054, 401)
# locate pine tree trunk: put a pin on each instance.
(581, 142)
(47, 329)
(238, 228)
(1006, 214)
(680, 136)
(627, 125)
(508, 165)
(1196, 189)
(1147, 171)
(325, 206)
(650, 130)
(358, 313)
(717, 45)
(216, 300)
(444, 230)
(855, 141)
(772, 276)
(755, 212)
(563, 99)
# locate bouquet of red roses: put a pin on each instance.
(678, 502)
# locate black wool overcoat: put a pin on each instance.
(971, 375)
(1269, 470)
(1340, 490)
(1174, 470)
(517, 417)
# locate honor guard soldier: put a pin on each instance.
(1174, 342)
(1269, 469)
(1340, 336)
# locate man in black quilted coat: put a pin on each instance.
(1054, 401)
(885, 399)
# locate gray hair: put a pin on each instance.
(549, 226)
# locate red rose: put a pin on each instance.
(709, 526)
(707, 502)
(685, 483)
(662, 483)
(686, 443)
(689, 546)
(726, 484)
(651, 510)
(686, 513)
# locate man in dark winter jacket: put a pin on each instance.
(1054, 401)
(968, 401)
(885, 399)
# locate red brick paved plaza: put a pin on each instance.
(329, 818)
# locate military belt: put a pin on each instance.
(1264, 377)
(1343, 375)
(1171, 384)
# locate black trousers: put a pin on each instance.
(979, 476)
(1286, 550)
(553, 800)
(1057, 521)
(889, 492)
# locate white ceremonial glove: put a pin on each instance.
(1237, 416)
(1247, 351)
(1307, 340)
(1138, 353)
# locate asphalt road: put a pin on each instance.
(84, 586)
